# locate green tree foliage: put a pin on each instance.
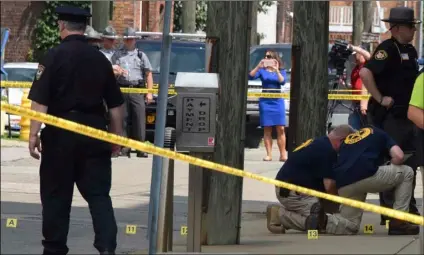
(201, 14)
(46, 30)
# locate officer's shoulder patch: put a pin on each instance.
(303, 145)
(358, 136)
(40, 72)
(381, 55)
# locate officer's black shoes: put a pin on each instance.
(106, 252)
(125, 152)
(317, 220)
(142, 155)
(398, 227)
(383, 220)
(273, 222)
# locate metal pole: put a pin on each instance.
(160, 130)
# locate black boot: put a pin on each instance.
(317, 220)
(141, 154)
(398, 227)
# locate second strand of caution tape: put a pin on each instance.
(15, 84)
(123, 141)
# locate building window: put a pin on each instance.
(341, 19)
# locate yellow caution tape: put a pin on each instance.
(149, 148)
(16, 84)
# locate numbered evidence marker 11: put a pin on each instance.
(312, 234)
(131, 229)
(369, 229)
(11, 223)
(183, 230)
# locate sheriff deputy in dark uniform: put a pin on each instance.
(138, 73)
(72, 82)
(389, 77)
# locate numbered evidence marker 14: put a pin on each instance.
(312, 234)
(183, 230)
(11, 223)
(131, 229)
(369, 229)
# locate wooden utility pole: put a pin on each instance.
(309, 90)
(254, 38)
(368, 15)
(100, 15)
(230, 21)
(189, 16)
(281, 14)
(358, 22)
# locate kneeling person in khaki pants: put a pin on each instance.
(310, 166)
(360, 170)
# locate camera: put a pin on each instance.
(338, 56)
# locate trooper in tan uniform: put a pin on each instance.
(309, 165)
(93, 36)
(109, 37)
(138, 74)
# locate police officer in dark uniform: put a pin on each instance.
(389, 77)
(360, 170)
(138, 74)
(72, 82)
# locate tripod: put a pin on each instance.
(337, 83)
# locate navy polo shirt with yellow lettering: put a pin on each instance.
(309, 164)
(361, 154)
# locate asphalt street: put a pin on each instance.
(130, 192)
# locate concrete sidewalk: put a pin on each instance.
(130, 193)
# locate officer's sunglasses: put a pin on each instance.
(268, 56)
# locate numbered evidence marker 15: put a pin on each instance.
(11, 223)
(369, 229)
(312, 234)
(131, 229)
(183, 230)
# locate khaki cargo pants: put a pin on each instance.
(348, 221)
(294, 209)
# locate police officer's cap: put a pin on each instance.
(129, 33)
(110, 33)
(92, 34)
(402, 15)
(73, 14)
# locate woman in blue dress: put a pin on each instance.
(272, 111)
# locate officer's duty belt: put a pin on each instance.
(130, 85)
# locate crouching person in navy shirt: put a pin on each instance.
(359, 170)
(309, 165)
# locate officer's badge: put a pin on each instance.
(380, 55)
(358, 136)
(40, 71)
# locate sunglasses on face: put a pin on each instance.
(268, 56)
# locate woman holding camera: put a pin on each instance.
(272, 112)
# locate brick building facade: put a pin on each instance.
(21, 17)
(285, 34)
